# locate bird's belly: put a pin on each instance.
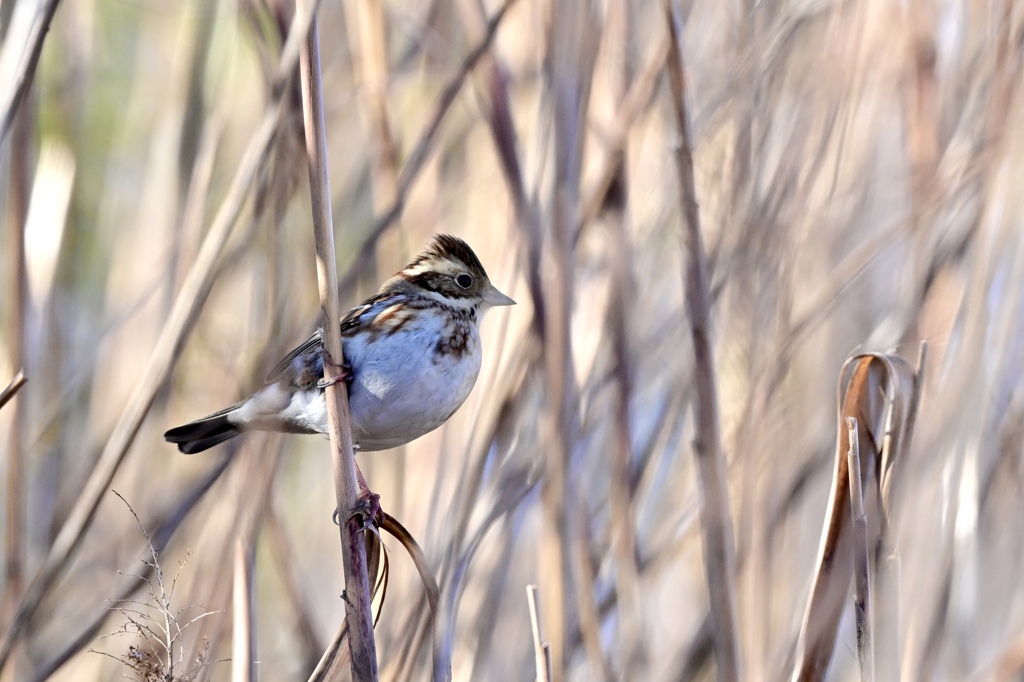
(403, 388)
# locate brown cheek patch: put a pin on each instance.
(426, 280)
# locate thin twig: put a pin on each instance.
(715, 512)
(635, 102)
(915, 397)
(359, 612)
(162, 633)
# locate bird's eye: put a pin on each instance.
(464, 281)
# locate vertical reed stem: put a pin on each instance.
(359, 614)
(715, 512)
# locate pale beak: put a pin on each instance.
(493, 297)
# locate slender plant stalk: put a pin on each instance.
(715, 512)
(830, 588)
(26, 68)
(17, 294)
(572, 41)
(254, 489)
(243, 650)
(587, 610)
(620, 320)
(359, 613)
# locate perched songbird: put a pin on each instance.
(412, 354)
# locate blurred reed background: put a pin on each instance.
(858, 167)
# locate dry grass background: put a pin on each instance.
(858, 168)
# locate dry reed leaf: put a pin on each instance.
(880, 391)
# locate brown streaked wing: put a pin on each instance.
(285, 364)
(350, 324)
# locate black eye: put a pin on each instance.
(464, 281)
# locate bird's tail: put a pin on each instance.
(204, 433)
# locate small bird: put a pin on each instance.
(412, 354)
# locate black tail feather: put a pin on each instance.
(204, 433)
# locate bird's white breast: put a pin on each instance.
(403, 388)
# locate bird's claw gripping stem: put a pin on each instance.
(345, 374)
(368, 507)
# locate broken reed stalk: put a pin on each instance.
(358, 609)
(17, 382)
(861, 558)
(180, 321)
(541, 652)
(715, 512)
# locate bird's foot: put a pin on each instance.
(345, 374)
(368, 508)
